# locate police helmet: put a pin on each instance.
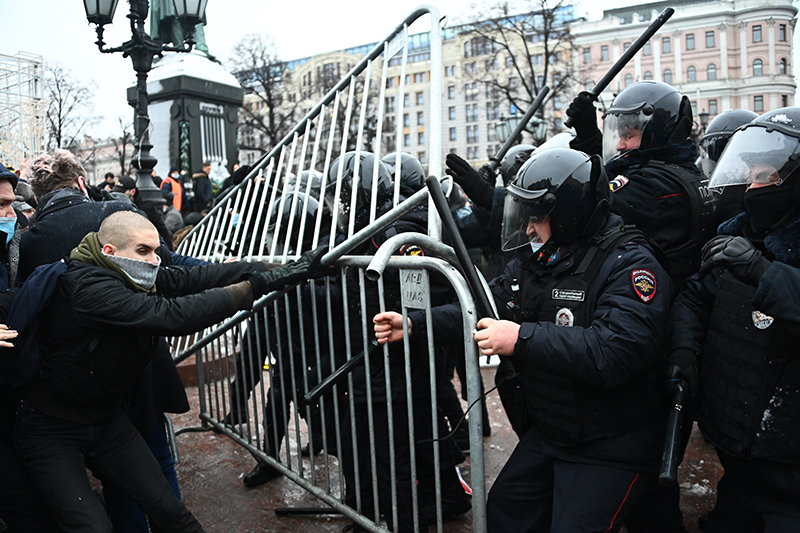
(291, 224)
(652, 109)
(310, 180)
(412, 175)
(514, 158)
(568, 186)
(717, 134)
(353, 194)
(767, 150)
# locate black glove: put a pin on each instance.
(480, 192)
(738, 255)
(682, 366)
(306, 266)
(583, 114)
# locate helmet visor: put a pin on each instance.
(622, 133)
(757, 155)
(710, 151)
(519, 211)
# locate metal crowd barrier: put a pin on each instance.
(371, 434)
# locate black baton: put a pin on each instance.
(671, 457)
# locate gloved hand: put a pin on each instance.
(738, 254)
(480, 192)
(681, 365)
(305, 267)
(583, 114)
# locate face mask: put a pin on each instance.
(766, 206)
(7, 225)
(142, 273)
(535, 246)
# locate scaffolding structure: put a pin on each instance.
(22, 107)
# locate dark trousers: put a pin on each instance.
(756, 495)
(22, 508)
(538, 493)
(126, 516)
(362, 459)
(56, 453)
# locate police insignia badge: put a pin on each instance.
(762, 321)
(618, 183)
(644, 283)
(564, 317)
(411, 249)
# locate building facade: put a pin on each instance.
(722, 54)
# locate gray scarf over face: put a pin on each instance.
(142, 273)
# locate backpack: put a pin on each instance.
(20, 364)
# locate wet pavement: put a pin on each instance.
(212, 467)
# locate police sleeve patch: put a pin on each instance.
(411, 250)
(618, 183)
(644, 283)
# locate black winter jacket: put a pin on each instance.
(99, 335)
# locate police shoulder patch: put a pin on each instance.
(644, 283)
(411, 249)
(618, 183)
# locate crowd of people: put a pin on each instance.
(626, 265)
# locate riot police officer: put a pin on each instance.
(650, 162)
(583, 308)
(715, 139)
(739, 314)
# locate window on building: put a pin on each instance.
(451, 92)
(420, 98)
(710, 39)
(666, 46)
(491, 133)
(468, 109)
(758, 68)
(604, 52)
(420, 118)
(466, 49)
(406, 139)
(646, 50)
(453, 136)
(447, 71)
(587, 55)
(420, 77)
(712, 107)
(625, 46)
(784, 100)
(782, 33)
(406, 120)
(691, 74)
(782, 66)
(628, 79)
(451, 112)
(512, 82)
(556, 103)
(509, 61)
(758, 104)
(757, 33)
(390, 104)
(711, 72)
(492, 110)
(690, 41)
(408, 79)
(556, 80)
(648, 75)
(422, 158)
(406, 101)
(668, 76)
(539, 59)
(588, 85)
(420, 137)
(540, 81)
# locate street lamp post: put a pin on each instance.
(142, 49)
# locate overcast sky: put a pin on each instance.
(58, 31)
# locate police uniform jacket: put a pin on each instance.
(592, 347)
(747, 338)
(652, 190)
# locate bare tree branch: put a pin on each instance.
(69, 112)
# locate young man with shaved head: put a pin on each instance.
(112, 304)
